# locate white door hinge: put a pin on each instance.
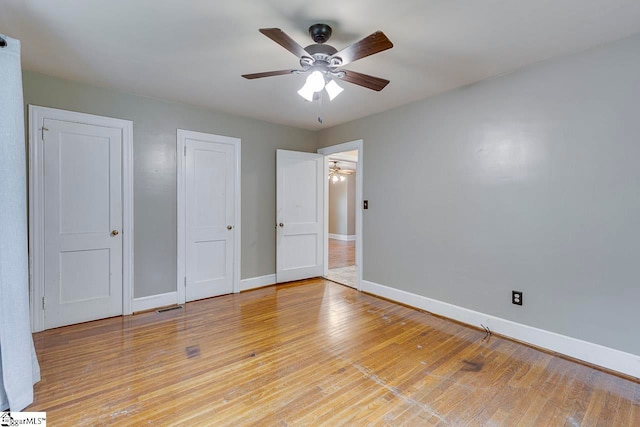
(43, 129)
(43, 303)
(185, 281)
(185, 150)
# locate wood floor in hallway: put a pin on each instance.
(313, 353)
(341, 253)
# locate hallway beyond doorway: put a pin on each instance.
(341, 253)
(342, 262)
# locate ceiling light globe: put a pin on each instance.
(315, 81)
(306, 93)
(333, 89)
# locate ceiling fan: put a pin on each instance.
(324, 62)
(336, 173)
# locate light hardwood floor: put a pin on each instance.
(313, 353)
(341, 253)
(342, 262)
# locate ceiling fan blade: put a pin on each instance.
(267, 74)
(376, 42)
(365, 80)
(280, 37)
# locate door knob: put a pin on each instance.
(114, 233)
(229, 227)
(281, 225)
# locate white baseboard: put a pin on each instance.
(596, 354)
(170, 298)
(257, 282)
(154, 301)
(344, 237)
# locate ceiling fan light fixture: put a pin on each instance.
(333, 89)
(336, 173)
(306, 93)
(314, 83)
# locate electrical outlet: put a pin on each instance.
(516, 297)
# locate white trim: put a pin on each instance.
(154, 301)
(343, 237)
(170, 298)
(181, 136)
(37, 115)
(180, 216)
(257, 282)
(596, 354)
(339, 148)
(127, 219)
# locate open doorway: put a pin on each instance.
(342, 217)
(343, 214)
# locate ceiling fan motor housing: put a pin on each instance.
(320, 33)
(320, 57)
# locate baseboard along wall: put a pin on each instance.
(154, 301)
(257, 282)
(596, 354)
(343, 237)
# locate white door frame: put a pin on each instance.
(37, 115)
(182, 135)
(339, 148)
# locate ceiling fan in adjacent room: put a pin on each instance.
(323, 62)
(336, 173)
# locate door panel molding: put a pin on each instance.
(37, 115)
(181, 138)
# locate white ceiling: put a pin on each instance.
(345, 157)
(194, 51)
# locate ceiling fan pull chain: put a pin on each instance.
(320, 107)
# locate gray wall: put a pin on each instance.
(342, 214)
(338, 207)
(529, 181)
(154, 133)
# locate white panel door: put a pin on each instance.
(82, 222)
(299, 216)
(209, 215)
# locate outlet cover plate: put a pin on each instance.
(516, 297)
